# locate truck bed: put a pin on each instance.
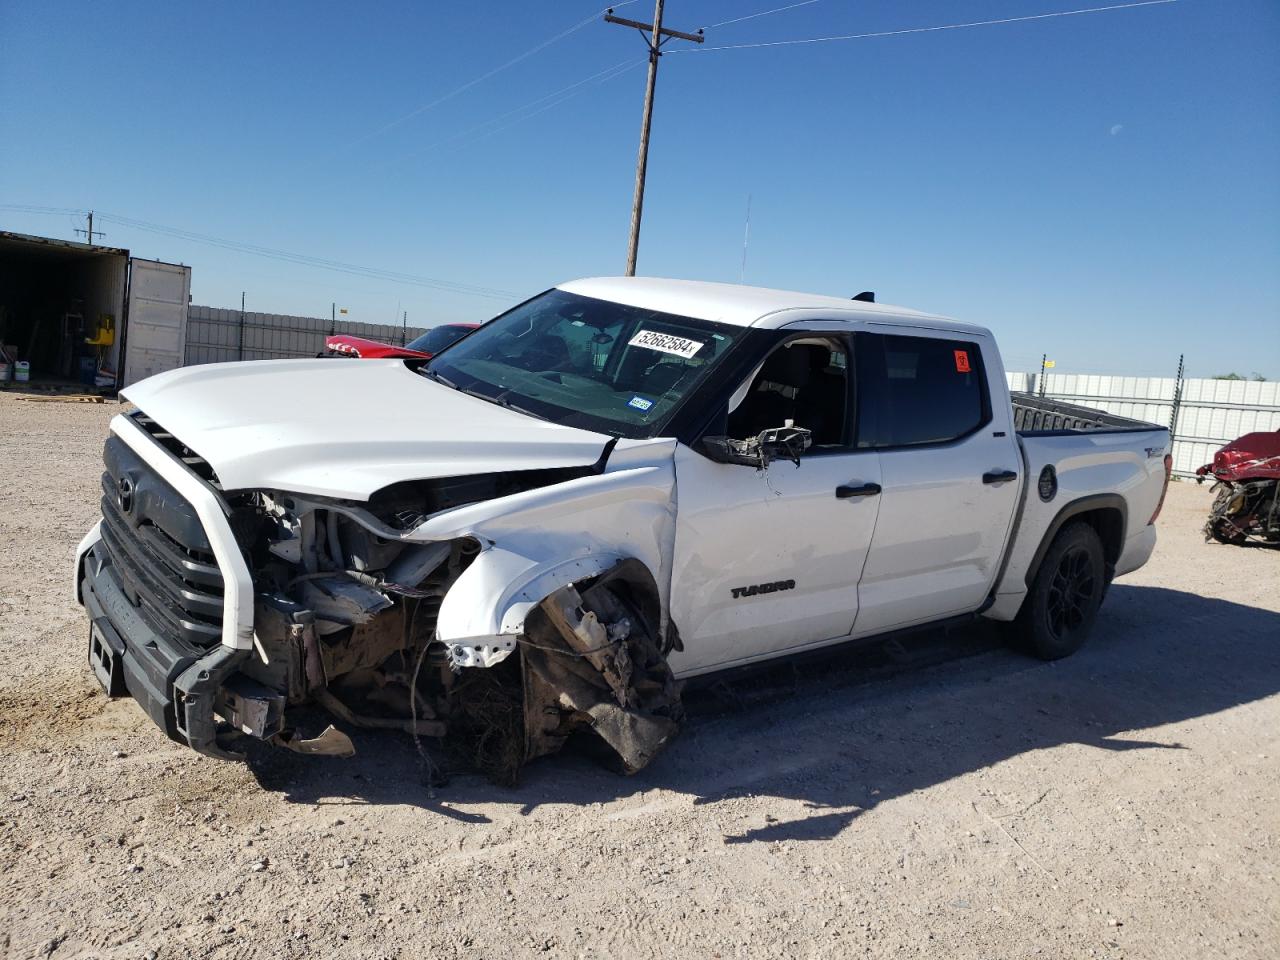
(1041, 417)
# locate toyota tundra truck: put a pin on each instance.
(617, 485)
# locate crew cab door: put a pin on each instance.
(950, 476)
(769, 560)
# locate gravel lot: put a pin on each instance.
(941, 798)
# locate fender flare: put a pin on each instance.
(1100, 501)
(483, 614)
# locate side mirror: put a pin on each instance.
(776, 443)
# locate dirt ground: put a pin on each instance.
(944, 797)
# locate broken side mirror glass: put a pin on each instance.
(787, 442)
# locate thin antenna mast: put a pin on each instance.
(746, 236)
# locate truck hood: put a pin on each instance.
(346, 429)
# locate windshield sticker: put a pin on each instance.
(962, 361)
(666, 343)
(640, 403)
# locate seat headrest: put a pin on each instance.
(790, 366)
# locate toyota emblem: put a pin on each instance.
(124, 494)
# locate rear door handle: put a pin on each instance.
(847, 490)
(999, 476)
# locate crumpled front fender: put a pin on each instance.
(484, 611)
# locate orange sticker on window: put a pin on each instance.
(962, 361)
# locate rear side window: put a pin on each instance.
(916, 390)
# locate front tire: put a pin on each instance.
(1060, 609)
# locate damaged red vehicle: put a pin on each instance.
(420, 348)
(1247, 475)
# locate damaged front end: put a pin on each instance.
(1247, 488)
(347, 618)
(346, 601)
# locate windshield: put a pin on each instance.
(587, 363)
(437, 338)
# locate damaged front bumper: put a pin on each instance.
(178, 687)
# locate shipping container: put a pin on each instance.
(89, 314)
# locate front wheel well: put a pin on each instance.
(635, 582)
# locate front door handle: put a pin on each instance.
(846, 490)
(999, 476)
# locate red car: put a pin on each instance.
(1247, 475)
(421, 348)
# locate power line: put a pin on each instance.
(480, 79)
(564, 93)
(947, 26)
(305, 260)
(612, 76)
(50, 211)
(763, 13)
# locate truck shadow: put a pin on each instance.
(858, 728)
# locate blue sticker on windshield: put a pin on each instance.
(640, 403)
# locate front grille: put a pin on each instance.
(195, 463)
(159, 553)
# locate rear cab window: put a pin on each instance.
(918, 390)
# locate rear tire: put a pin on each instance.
(1058, 614)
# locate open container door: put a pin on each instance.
(156, 337)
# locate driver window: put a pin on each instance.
(806, 381)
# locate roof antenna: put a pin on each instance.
(866, 296)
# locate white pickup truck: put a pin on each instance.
(616, 485)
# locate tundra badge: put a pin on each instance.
(757, 588)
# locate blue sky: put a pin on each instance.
(1103, 187)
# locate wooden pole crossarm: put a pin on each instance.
(648, 28)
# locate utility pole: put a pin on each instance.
(657, 36)
(89, 233)
(1044, 358)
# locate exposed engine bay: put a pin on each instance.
(346, 616)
